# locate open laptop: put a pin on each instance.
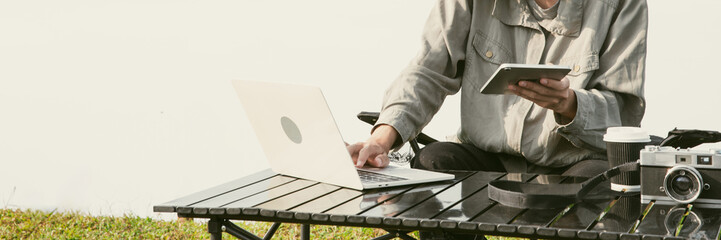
(300, 138)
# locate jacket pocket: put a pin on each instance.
(489, 54)
(581, 64)
(490, 50)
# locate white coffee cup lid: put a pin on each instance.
(626, 135)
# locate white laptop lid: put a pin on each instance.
(282, 115)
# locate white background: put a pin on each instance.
(110, 107)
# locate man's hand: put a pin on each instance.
(551, 94)
(374, 151)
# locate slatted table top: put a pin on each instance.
(461, 205)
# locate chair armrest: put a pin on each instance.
(369, 117)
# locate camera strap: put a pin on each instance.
(544, 196)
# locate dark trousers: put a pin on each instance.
(455, 156)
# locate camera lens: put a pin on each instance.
(683, 184)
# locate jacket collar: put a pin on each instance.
(518, 13)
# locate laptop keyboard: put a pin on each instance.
(372, 177)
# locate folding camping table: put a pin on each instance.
(460, 206)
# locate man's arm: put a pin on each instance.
(417, 94)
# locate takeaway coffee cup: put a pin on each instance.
(623, 145)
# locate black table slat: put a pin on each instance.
(284, 214)
(505, 228)
(369, 199)
(498, 214)
(374, 220)
(250, 211)
(654, 223)
(475, 203)
(621, 217)
(487, 227)
(392, 221)
(271, 194)
(711, 219)
(320, 217)
(581, 215)
(587, 234)
(355, 219)
(214, 191)
(299, 197)
(408, 199)
(337, 218)
(468, 226)
(243, 192)
(609, 236)
(537, 217)
(450, 196)
(527, 230)
(628, 236)
(328, 201)
(652, 238)
(408, 222)
(546, 232)
(426, 223)
(567, 233)
(302, 216)
(468, 208)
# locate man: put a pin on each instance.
(552, 126)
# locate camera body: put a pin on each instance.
(679, 176)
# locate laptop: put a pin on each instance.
(300, 138)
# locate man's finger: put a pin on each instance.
(537, 89)
(381, 160)
(353, 150)
(555, 84)
(531, 95)
(363, 155)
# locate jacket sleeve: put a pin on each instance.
(416, 95)
(614, 95)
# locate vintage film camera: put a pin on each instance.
(679, 176)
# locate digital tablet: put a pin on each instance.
(510, 74)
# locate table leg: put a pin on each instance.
(305, 231)
(271, 231)
(215, 228)
(404, 236)
(238, 232)
(395, 234)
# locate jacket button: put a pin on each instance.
(576, 68)
(489, 54)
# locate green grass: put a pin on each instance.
(33, 224)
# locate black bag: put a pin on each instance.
(684, 138)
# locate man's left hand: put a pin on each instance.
(549, 93)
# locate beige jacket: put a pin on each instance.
(604, 42)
